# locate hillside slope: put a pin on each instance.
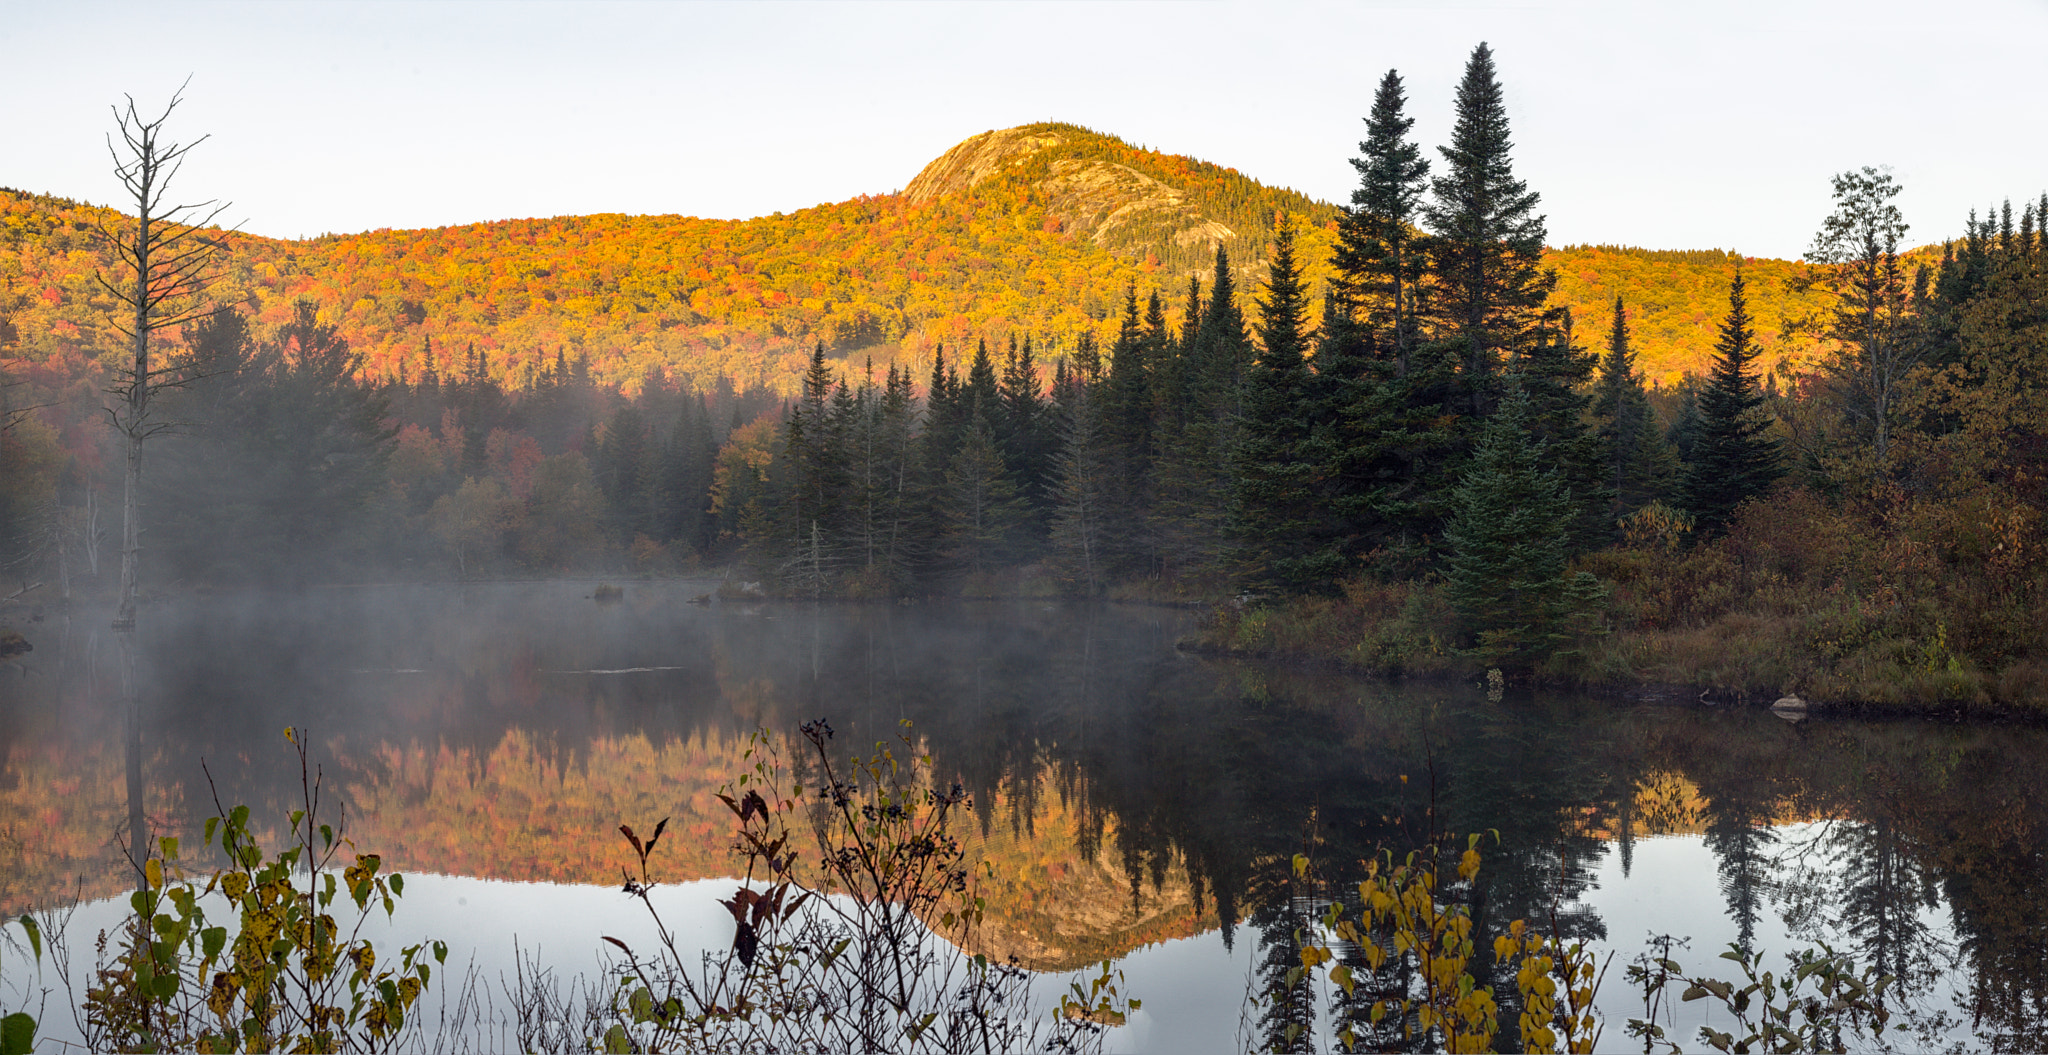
(1036, 230)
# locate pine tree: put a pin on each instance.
(1487, 252)
(1732, 459)
(1508, 536)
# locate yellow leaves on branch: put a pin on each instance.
(1404, 915)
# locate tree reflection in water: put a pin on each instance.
(1126, 793)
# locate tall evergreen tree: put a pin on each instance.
(1199, 432)
(1557, 375)
(1733, 460)
(1084, 481)
(1380, 256)
(687, 461)
(1487, 253)
(1508, 536)
(1636, 464)
(982, 510)
(1023, 429)
(1279, 518)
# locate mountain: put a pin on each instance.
(1034, 230)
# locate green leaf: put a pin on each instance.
(212, 825)
(398, 884)
(212, 940)
(17, 1034)
(165, 986)
(617, 1041)
(35, 935)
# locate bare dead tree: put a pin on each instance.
(163, 264)
(162, 268)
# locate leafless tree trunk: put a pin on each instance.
(162, 266)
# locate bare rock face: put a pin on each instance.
(1112, 205)
(975, 159)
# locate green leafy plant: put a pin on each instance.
(1819, 1001)
(18, 1029)
(288, 976)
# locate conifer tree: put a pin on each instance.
(1084, 481)
(1131, 432)
(1733, 460)
(1636, 464)
(1278, 517)
(1127, 407)
(625, 472)
(1022, 429)
(1488, 247)
(1556, 376)
(1508, 536)
(982, 393)
(1199, 431)
(687, 461)
(981, 510)
(1380, 258)
(945, 422)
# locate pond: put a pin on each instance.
(1135, 803)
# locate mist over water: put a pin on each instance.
(1136, 802)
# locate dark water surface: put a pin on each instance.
(1135, 802)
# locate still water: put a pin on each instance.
(1136, 803)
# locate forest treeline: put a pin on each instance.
(1397, 445)
(1030, 248)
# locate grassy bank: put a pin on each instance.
(1876, 609)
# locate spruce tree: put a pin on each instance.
(1022, 427)
(1508, 536)
(1636, 464)
(1487, 253)
(1278, 516)
(982, 510)
(1379, 257)
(1084, 482)
(1733, 460)
(1381, 389)
(1557, 377)
(1195, 457)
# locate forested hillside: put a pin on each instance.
(1035, 230)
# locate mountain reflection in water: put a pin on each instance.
(1125, 794)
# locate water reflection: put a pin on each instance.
(1124, 793)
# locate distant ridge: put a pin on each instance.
(1036, 230)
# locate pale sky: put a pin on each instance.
(1667, 125)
